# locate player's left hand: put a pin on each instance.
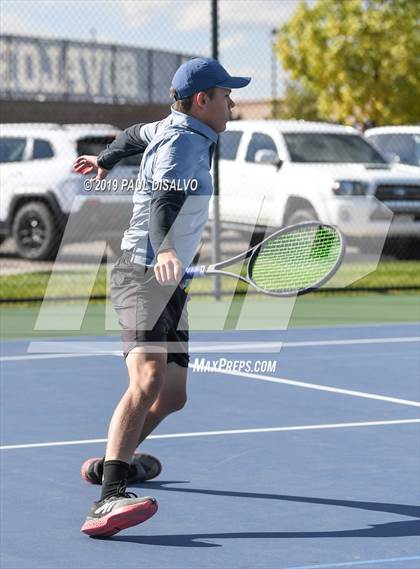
(168, 269)
(87, 164)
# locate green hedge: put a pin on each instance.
(70, 284)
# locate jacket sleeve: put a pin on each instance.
(133, 140)
(174, 165)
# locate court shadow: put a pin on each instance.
(400, 509)
(392, 529)
(409, 528)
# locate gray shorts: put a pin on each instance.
(148, 312)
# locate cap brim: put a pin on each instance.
(234, 82)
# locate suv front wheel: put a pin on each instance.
(35, 232)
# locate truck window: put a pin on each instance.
(334, 148)
(259, 141)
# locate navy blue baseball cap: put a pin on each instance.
(202, 73)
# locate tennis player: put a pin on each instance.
(147, 284)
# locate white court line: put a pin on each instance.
(351, 342)
(195, 347)
(306, 385)
(228, 432)
(52, 356)
(274, 346)
(270, 346)
(316, 386)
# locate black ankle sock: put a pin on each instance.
(115, 476)
(100, 468)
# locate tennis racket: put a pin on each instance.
(292, 261)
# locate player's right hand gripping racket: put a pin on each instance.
(294, 260)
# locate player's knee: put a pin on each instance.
(146, 381)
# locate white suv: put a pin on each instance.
(38, 187)
(309, 170)
(398, 143)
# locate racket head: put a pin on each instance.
(296, 259)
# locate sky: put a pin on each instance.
(177, 25)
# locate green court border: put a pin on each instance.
(312, 310)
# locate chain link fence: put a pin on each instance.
(73, 75)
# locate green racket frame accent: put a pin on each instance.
(324, 240)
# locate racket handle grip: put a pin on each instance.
(197, 271)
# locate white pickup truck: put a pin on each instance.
(309, 170)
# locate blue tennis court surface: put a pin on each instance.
(313, 464)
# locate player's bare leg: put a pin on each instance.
(146, 374)
(116, 509)
(172, 397)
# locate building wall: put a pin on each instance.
(118, 115)
(249, 110)
(65, 112)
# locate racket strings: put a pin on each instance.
(296, 260)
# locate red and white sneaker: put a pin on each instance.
(111, 515)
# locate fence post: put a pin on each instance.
(215, 234)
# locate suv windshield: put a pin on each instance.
(331, 148)
(404, 148)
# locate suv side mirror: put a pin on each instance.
(268, 157)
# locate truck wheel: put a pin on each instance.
(301, 215)
(35, 232)
(406, 249)
(414, 249)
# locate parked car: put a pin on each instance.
(39, 189)
(310, 170)
(398, 143)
